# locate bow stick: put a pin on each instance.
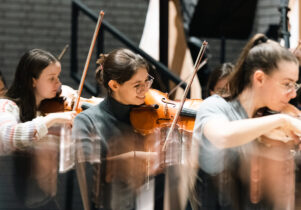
(182, 82)
(80, 168)
(196, 67)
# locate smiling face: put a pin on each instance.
(47, 84)
(279, 87)
(131, 92)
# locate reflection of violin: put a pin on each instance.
(272, 164)
(65, 101)
(159, 111)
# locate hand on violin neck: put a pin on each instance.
(70, 95)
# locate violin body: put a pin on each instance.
(153, 120)
(65, 101)
(159, 111)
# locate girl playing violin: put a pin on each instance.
(122, 170)
(36, 79)
(265, 76)
(24, 131)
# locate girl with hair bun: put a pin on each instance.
(122, 169)
(264, 77)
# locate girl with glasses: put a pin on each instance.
(229, 132)
(122, 169)
(218, 80)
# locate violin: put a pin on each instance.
(281, 136)
(65, 101)
(154, 119)
(158, 111)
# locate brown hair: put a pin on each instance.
(259, 53)
(119, 65)
(220, 72)
(30, 66)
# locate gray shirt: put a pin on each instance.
(212, 159)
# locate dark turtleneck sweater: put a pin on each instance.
(108, 122)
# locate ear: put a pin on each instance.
(259, 77)
(114, 85)
(34, 82)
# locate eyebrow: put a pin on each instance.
(290, 79)
(136, 82)
(139, 81)
(53, 74)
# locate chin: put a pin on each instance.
(138, 103)
(279, 108)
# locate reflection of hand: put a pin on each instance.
(135, 154)
(132, 167)
(152, 160)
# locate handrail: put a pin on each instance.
(77, 6)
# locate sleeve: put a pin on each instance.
(14, 134)
(210, 157)
(87, 141)
(214, 107)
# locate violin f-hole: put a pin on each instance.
(168, 102)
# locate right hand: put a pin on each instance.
(60, 118)
(290, 130)
(293, 124)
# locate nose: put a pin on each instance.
(58, 83)
(293, 94)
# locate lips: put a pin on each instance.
(141, 97)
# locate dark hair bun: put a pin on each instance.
(101, 59)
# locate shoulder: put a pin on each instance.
(90, 115)
(214, 102)
(7, 105)
(212, 107)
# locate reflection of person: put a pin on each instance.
(218, 80)
(264, 76)
(22, 129)
(2, 85)
(125, 76)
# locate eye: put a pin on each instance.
(288, 85)
(137, 86)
